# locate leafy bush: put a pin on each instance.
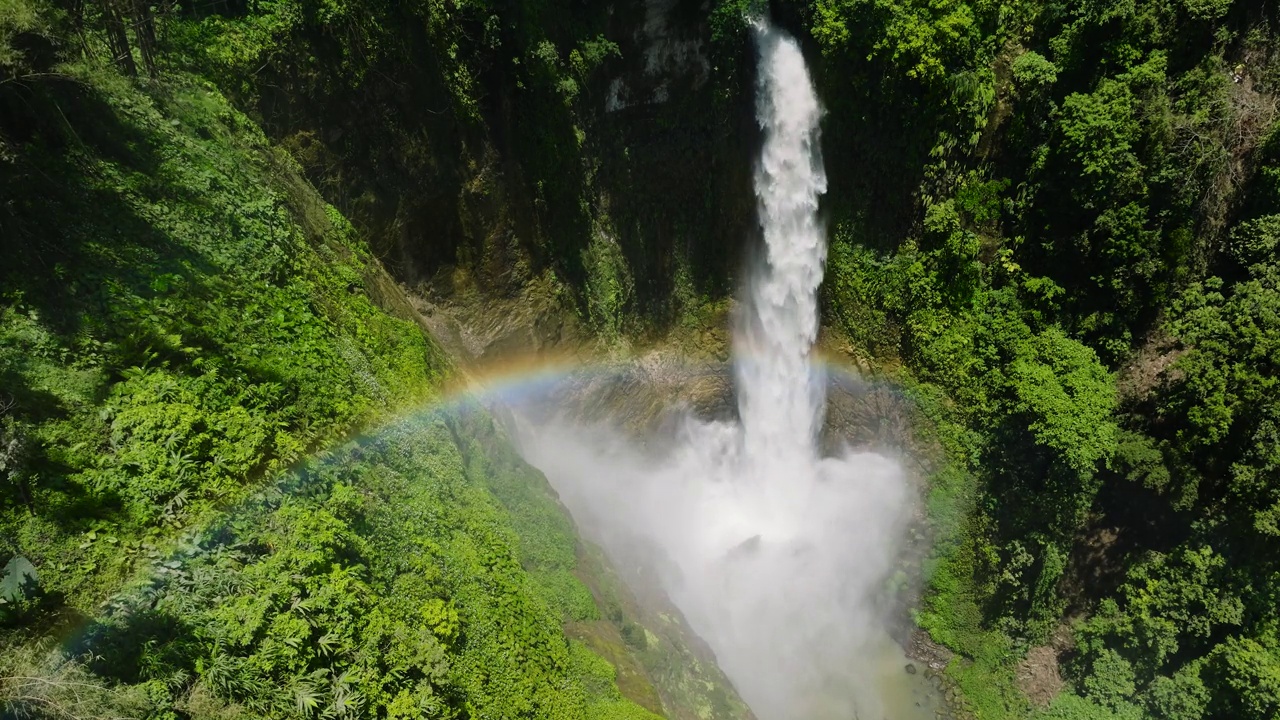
(207, 323)
(1113, 213)
(382, 580)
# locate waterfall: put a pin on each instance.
(772, 552)
(778, 400)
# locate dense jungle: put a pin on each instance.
(249, 249)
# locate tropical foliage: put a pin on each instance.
(1084, 264)
(1055, 224)
(185, 328)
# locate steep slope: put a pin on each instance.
(1060, 219)
(607, 143)
(184, 323)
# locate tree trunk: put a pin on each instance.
(75, 13)
(144, 31)
(118, 38)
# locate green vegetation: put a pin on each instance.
(382, 579)
(188, 332)
(182, 316)
(1059, 221)
(1073, 243)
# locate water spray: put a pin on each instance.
(775, 554)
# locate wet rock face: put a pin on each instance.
(921, 648)
(669, 41)
(650, 394)
(672, 134)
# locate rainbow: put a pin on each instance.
(513, 379)
(510, 382)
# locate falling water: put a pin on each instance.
(772, 552)
(778, 401)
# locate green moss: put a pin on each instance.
(610, 289)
